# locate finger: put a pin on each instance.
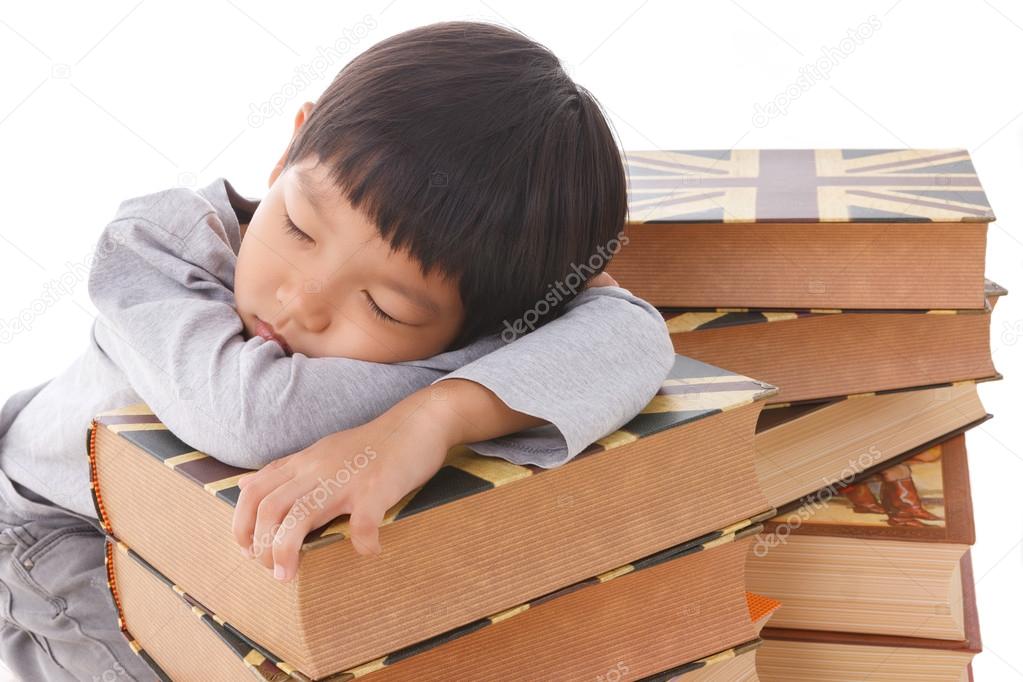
(271, 514)
(271, 466)
(364, 523)
(243, 523)
(287, 543)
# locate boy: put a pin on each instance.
(447, 180)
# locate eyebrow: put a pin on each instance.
(416, 297)
(312, 194)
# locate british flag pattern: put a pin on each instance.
(804, 185)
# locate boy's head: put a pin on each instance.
(456, 163)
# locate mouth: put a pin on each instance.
(266, 331)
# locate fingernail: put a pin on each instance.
(278, 571)
(246, 552)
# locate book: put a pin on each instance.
(801, 449)
(737, 664)
(804, 228)
(481, 536)
(813, 355)
(791, 655)
(879, 555)
(675, 612)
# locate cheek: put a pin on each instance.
(243, 270)
(253, 278)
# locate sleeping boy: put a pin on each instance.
(425, 270)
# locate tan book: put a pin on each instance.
(881, 555)
(803, 448)
(676, 613)
(822, 354)
(789, 655)
(483, 535)
(804, 228)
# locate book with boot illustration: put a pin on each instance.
(804, 228)
(879, 554)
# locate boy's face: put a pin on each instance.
(317, 288)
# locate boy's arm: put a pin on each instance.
(588, 373)
(167, 319)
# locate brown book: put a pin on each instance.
(879, 555)
(804, 228)
(789, 655)
(481, 536)
(737, 664)
(820, 354)
(675, 612)
(803, 448)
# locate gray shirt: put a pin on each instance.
(168, 334)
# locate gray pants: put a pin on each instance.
(57, 618)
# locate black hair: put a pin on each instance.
(470, 148)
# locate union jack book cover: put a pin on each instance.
(805, 185)
(804, 228)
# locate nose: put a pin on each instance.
(306, 303)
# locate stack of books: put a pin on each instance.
(876, 580)
(627, 562)
(853, 280)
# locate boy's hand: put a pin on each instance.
(362, 471)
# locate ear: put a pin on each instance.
(300, 119)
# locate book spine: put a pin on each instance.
(108, 560)
(97, 499)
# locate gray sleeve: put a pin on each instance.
(167, 319)
(587, 372)
(164, 292)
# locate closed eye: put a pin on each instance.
(292, 229)
(378, 311)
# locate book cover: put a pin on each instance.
(804, 185)
(924, 497)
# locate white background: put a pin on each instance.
(104, 101)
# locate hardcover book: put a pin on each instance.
(792, 655)
(801, 449)
(878, 555)
(482, 535)
(675, 612)
(804, 228)
(813, 355)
